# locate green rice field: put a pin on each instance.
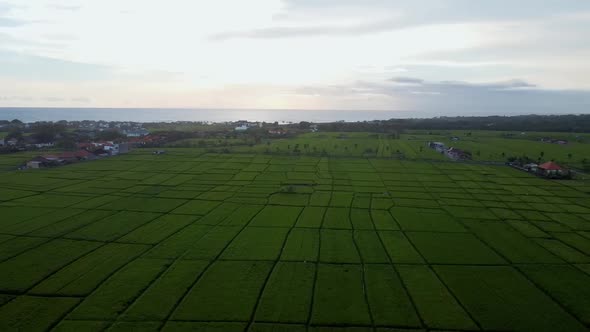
(485, 146)
(198, 241)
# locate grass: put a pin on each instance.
(348, 240)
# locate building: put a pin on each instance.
(34, 164)
(279, 131)
(438, 146)
(458, 154)
(43, 145)
(124, 148)
(43, 161)
(241, 128)
(552, 170)
(532, 167)
(137, 132)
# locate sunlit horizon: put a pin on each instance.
(436, 57)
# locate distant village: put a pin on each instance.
(77, 140)
(548, 169)
(66, 142)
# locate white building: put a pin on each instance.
(136, 133)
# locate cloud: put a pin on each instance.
(6, 22)
(434, 12)
(435, 98)
(503, 85)
(53, 99)
(29, 67)
(407, 80)
(310, 30)
(84, 100)
(17, 98)
(64, 7)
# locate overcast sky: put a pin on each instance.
(445, 56)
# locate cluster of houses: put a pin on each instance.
(27, 142)
(244, 125)
(8, 142)
(452, 152)
(86, 151)
(123, 126)
(554, 141)
(146, 140)
(549, 169)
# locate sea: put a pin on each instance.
(31, 114)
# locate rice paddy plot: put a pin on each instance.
(261, 242)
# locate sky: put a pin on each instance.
(446, 57)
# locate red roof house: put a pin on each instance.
(550, 166)
(552, 170)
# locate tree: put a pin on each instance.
(304, 125)
(569, 156)
(14, 133)
(47, 132)
(109, 135)
(67, 143)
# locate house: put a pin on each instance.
(101, 153)
(241, 128)
(438, 146)
(43, 145)
(455, 138)
(84, 155)
(51, 158)
(137, 132)
(34, 164)
(532, 167)
(458, 154)
(12, 142)
(43, 161)
(279, 131)
(124, 148)
(68, 156)
(2, 143)
(86, 146)
(552, 170)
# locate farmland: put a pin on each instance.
(484, 146)
(254, 241)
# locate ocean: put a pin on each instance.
(29, 114)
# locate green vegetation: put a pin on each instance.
(296, 241)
